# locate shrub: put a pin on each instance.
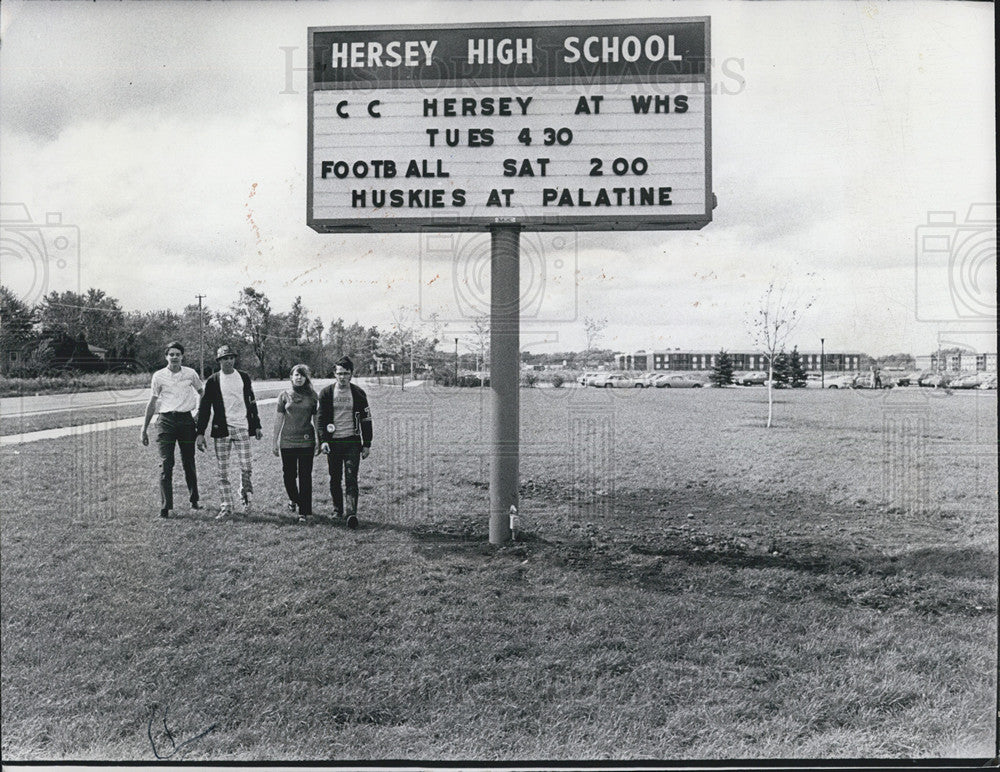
(557, 381)
(722, 373)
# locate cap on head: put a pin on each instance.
(173, 344)
(224, 351)
(346, 363)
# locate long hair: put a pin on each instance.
(307, 386)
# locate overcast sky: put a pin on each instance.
(173, 137)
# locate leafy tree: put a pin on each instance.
(193, 327)
(897, 361)
(17, 334)
(314, 341)
(296, 323)
(781, 371)
(722, 373)
(596, 358)
(94, 314)
(146, 335)
(357, 342)
(254, 324)
(796, 370)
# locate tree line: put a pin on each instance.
(63, 330)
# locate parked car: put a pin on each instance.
(679, 381)
(587, 377)
(612, 381)
(867, 381)
(989, 382)
(841, 382)
(967, 381)
(753, 378)
(645, 380)
(901, 379)
(935, 380)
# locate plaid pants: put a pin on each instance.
(239, 439)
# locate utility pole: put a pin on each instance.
(456, 361)
(201, 337)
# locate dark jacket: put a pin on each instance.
(212, 402)
(362, 414)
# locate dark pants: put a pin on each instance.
(179, 428)
(297, 469)
(345, 456)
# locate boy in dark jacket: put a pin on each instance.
(345, 434)
(230, 401)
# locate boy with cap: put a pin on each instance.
(230, 400)
(345, 435)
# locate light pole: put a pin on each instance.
(822, 364)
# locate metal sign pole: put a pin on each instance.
(504, 377)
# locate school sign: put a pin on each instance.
(555, 126)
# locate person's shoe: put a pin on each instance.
(303, 520)
(247, 503)
(352, 521)
(195, 505)
(223, 514)
(164, 512)
(337, 514)
(292, 506)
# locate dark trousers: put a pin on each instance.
(344, 458)
(297, 469)
(179, 428)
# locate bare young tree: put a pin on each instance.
(402, 338)
(481, 334)
(777, 317)
(593, 327)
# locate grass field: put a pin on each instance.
(690, 585)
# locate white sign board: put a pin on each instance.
(565, 126)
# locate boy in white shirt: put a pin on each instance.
(175, 390)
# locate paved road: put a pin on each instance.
(12, 408)
(22, 407)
